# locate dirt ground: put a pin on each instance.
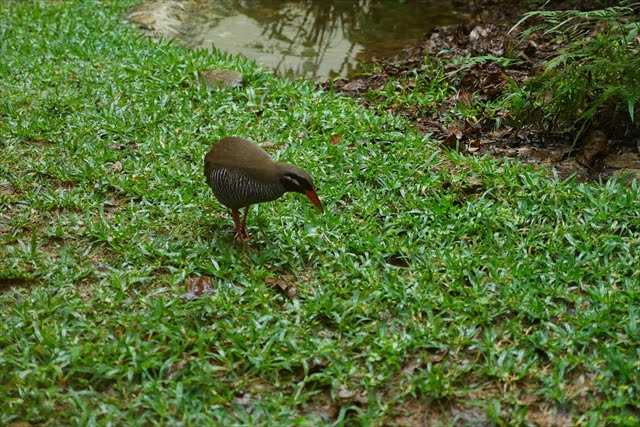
(599, 154)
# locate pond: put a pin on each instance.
(313, 39)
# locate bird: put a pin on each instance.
(240, 174)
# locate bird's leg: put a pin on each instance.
(243, 225)
(236, 220)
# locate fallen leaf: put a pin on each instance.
(345, 393)
(336, 139)
(116, 167)
(267, 144)
(220, 78)
(525, 151)
(450, 141)
(594, 144)
(456, 128)
(439, 355)
(455, 132)
(246, 402)
(283, 286)
(177, 366)
(110, 206)
(463, 97)
(354, 86)
(197, 286)
(474, 145)
(478, 33)
(411, 366)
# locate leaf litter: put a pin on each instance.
(495, 59)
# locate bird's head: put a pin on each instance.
(297, 180)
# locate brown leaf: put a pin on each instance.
(455, 131)
(177, 366)
(110, 206)
(456, 128)
(267, 144)
(346, 394)
(474, 145)
(354, 86)
(478, 33)
(439, 355)
(450, 141)
(411, 366)
(336, 139)
(221, 78)
(463, 97)
(594, 144)
(245, 401)
(197, 286)
(525, 151)
(283, 286)
(121, 146)
(116, 167)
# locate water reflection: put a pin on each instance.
(316, 38)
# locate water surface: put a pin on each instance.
(316, 39)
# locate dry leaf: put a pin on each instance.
(336, 139)
(456, 128)
(478, 33)
(450, 141)
(439, 355)
(411, 366)
(116, 167)
(463, 97)
(197, 286)
(283, 286)
(594, 144)
(345, 393)
(220, 78)
(267, 144)
(177, 366)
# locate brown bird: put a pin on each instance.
(240, 173)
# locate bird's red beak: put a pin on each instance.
(311, 194)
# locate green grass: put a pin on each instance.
(435, 287)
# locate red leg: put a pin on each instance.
(243, 225)
(236, 220)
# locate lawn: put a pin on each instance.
(435, 288)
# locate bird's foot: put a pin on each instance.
(242, 235)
